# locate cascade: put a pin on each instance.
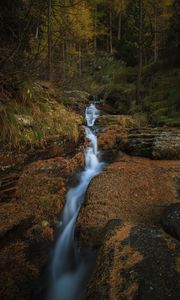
(69, 270)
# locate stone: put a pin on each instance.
(170, 220)
(27, 223)
(25, 120)
(133, 189)
(156, 143)
(136, 262)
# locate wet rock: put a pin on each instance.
(136, 262)
(132, 189)
(170, 220)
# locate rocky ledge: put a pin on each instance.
(127, 134)
(136, 262)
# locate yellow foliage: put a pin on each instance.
(81, 22)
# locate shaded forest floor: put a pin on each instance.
(160, 92)
(32, 112)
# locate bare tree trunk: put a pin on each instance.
(107, 43)
(37, 31)
(110, 32)
(119, 27)
(95, 30)
(49, 41)
(64, 59)
(138, 88)
(80, 61)
(155, 34)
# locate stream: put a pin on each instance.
(70, 268)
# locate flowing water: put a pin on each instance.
(69, 267)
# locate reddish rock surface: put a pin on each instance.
(27, 224)
(156, 143)
(136, 262)
(132, 189)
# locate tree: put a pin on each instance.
(138, 89)
(120, 8)
(173, 36)
(49, 41)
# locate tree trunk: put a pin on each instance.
(110, 32)
(64, 59)
(80, 61)
(119, 27)
(49, 41)
(138, 88)
(37, 32)
(155, 34)
(95, 30)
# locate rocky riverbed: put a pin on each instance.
(132, 213)
(127, 216)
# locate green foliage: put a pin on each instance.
(116, 82)
(162, 103)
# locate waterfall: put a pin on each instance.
(69, 270)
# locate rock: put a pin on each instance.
(25, 120)
(79, 95)
(76, 101)
(19, 277)
(170, 220)
(109, 142)
(133, 189)
(27, 224)
(156, 143)
(167, 145)
(136, 262)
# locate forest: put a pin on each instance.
(90, 149)
(130, 48)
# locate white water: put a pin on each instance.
(69, 271)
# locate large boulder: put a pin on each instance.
(170, 220)
(136, 262)
(132, 189)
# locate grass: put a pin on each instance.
(125, 121)
(35, 119)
